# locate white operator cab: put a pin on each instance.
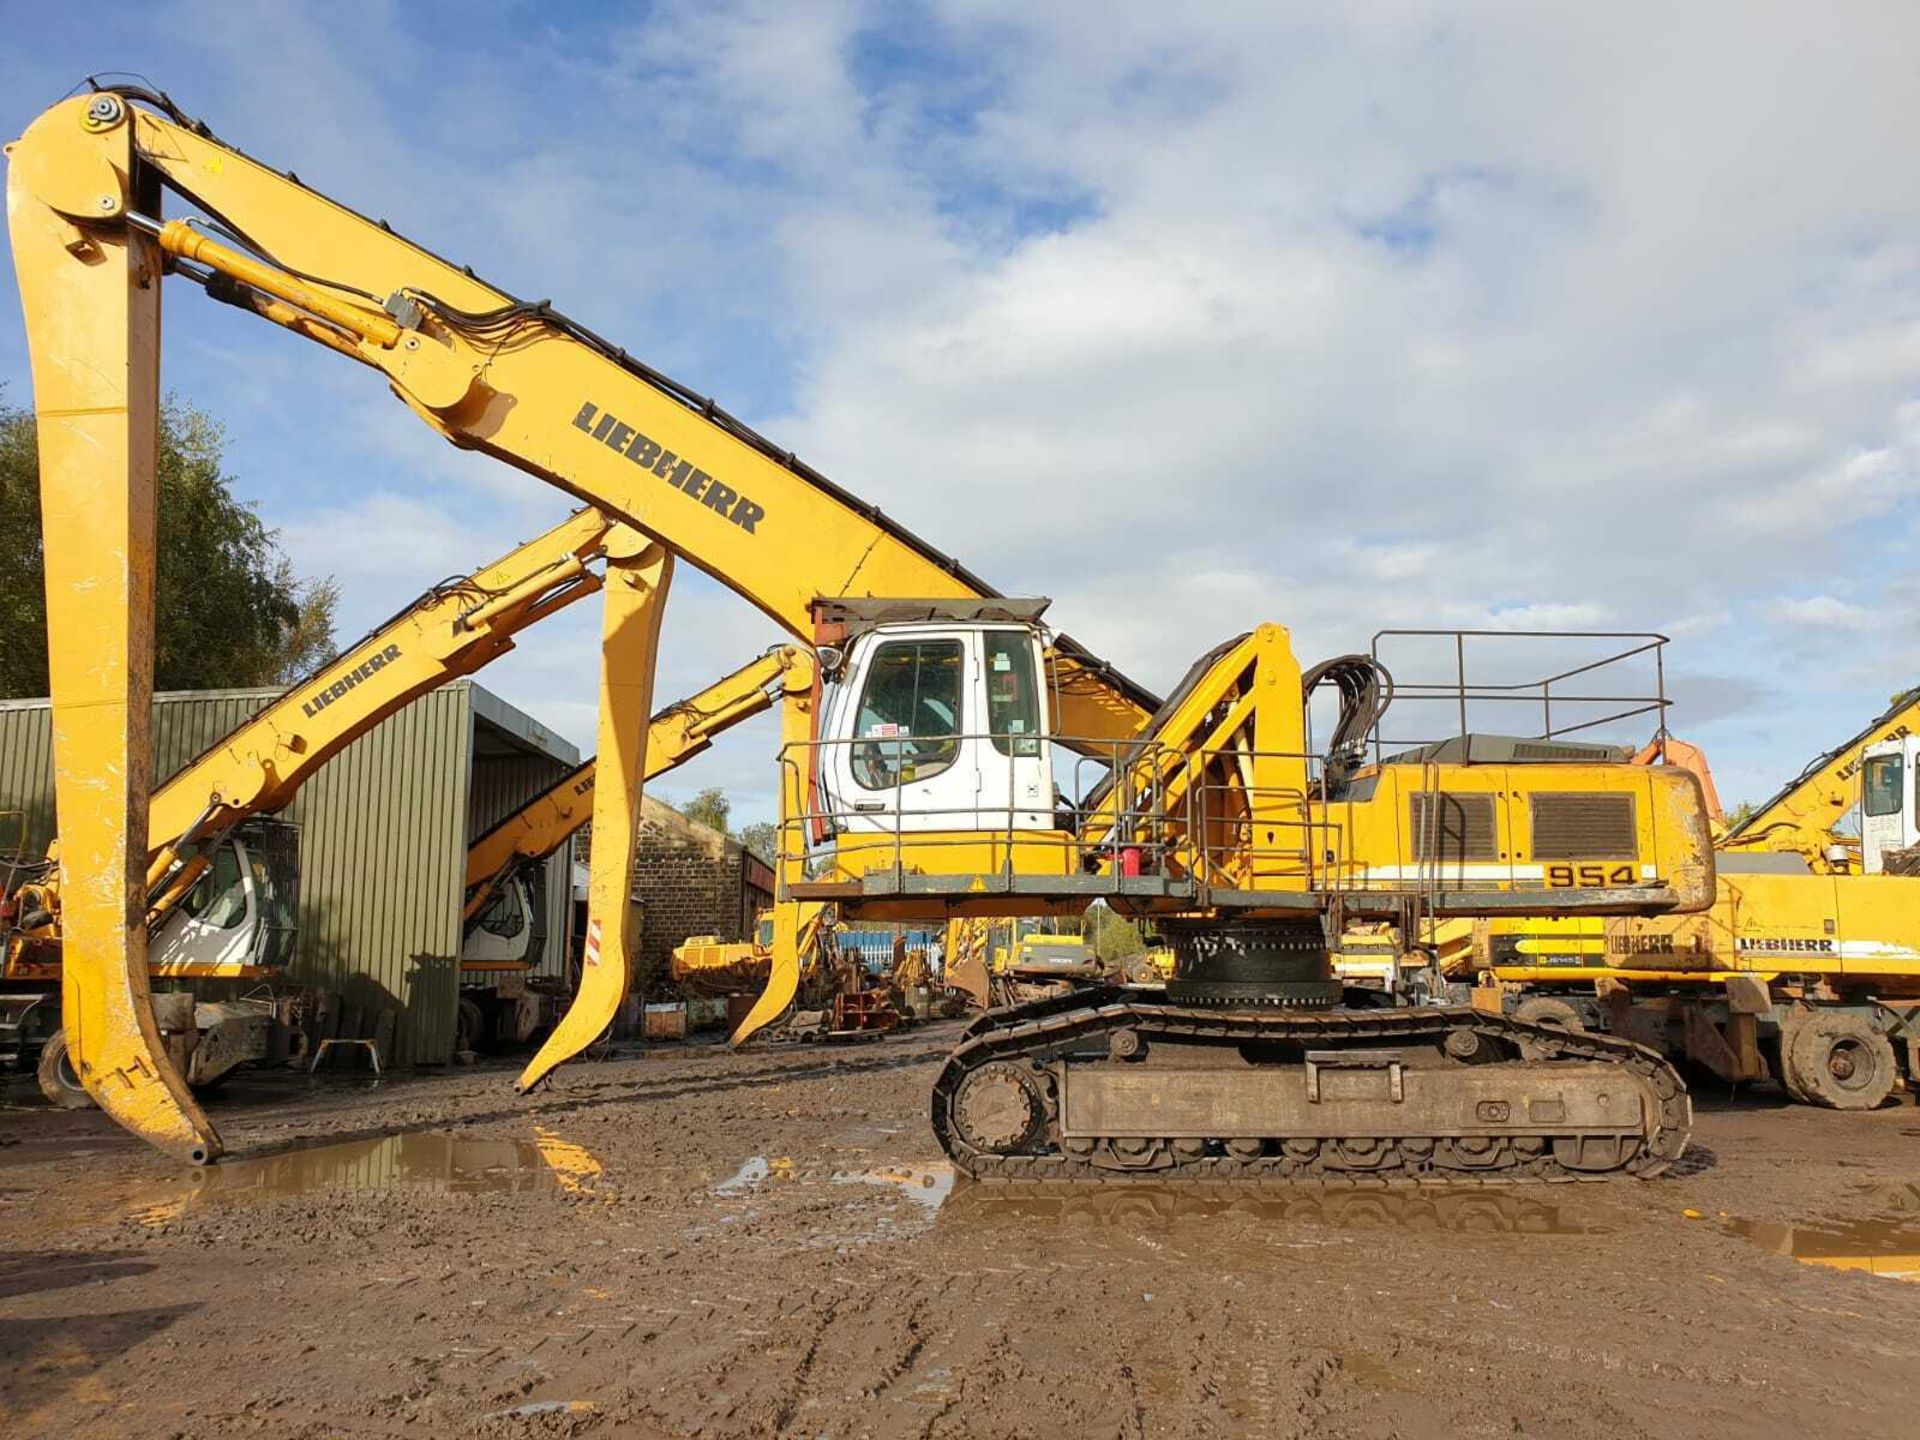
(1889, 800)
(241, 914)
(507, 934)
(934, 717)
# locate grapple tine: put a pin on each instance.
(634, 598)
(92, 304)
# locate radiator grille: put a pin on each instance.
(1565, 750)
(1454, 828)
(1584, 827)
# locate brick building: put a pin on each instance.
(689, 879)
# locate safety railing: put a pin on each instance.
(1197, 820)
(1445, 681)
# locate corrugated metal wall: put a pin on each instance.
(384, 827)
(184, 724)
(383, 865)
(501, 785)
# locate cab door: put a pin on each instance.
(1015, 771)
(1884, 822)
(901, 755)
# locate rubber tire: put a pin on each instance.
(58, 1082)
(470, 1028)
(1790, 1023)
(1549, 1010)
(1807, 1061)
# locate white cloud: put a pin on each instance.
(1343, 317)
(1818, 612)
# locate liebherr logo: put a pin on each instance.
(379, 660)
(1848, 770)
(682, 475)
(1775, 945)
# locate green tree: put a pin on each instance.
(710, 808)
(1114, 936)
(762, 838)
(1741, 813)
(229, 611)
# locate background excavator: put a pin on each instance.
(499, 909)
(221, 878)
(225, 887)
(1805, 969)
(918, 784)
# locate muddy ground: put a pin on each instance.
(687, 1242)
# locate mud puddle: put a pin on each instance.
(1886, 1244)
(755, 1171)
(430, 1162)
(927, 1186)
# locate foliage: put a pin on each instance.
(1114, 936)
(762, 838)
(1740, 814)
(229, 611)
(710, 808)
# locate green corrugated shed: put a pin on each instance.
(384, 828)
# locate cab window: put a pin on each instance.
(502, 915)
(1883, 784)
(909, 713)
(1013, 699)
(219, 898)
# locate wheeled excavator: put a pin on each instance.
(918, 783)
(1805, 969)
(221, 878)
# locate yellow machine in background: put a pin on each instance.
(1803, 970)
(916, 784)
(221, 877)
(498, 900)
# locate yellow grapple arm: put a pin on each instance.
(676, 735)
(516, 379)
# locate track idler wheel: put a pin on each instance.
(997, 1109)
(1551, 1012)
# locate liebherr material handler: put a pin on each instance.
(221, 878)
(926, 758)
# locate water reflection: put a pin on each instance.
(1885, 1244)
(428, 1161)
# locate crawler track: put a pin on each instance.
(1039, 1045)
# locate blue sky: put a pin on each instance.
(1343, 317)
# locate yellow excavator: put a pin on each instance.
(1804, 970)
(918, 782)
(224, 886)
(221, 877)
(1802, 818)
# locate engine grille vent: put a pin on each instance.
(1566, 750)
(1584, 827)
(1454, 828)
